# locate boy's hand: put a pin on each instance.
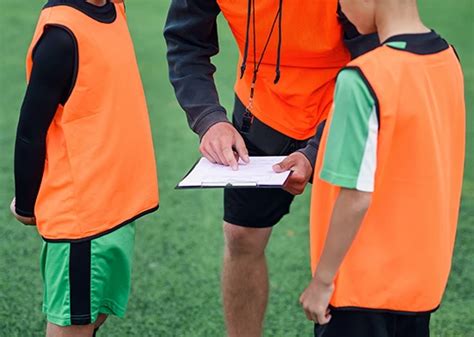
(222, 144)
(315, 301)
(29, 221)
(302, 170)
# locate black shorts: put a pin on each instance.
(253, 207)
(374, 324)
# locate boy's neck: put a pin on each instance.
(98, 3)
(399, 20)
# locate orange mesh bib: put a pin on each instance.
(401, 258)
(100, 167)
(312, 54)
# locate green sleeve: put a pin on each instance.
(350, 156)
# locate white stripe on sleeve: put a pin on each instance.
(366, 178)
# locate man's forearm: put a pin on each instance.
(348, 214)
(191, 37)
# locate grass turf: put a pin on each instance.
(178, 250)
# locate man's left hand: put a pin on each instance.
(302, 171)
(29, 221)
(315, 301)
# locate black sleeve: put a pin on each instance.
(191, 37)
(312, 148)
(50, 83)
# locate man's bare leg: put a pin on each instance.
(53, 330)
(245, 280)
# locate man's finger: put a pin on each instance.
(297, 177)
(207, 155)
(322, 317)
(216, 150)
(228, 154)
(285, 165)
(294, 187)
(293, 190)
(241, 149)
(308, 315)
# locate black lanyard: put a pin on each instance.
(248, 117)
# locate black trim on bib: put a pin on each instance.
(80, 282)
(456, 53)
(105, 14)
(421, 44)
(120, 225)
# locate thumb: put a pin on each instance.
(284, 165)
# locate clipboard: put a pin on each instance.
(257, 174)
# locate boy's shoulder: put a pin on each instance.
(377, 55)
(356, 68)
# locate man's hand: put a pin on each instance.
(222, 144)
(302, 170)
(29, 221)
(315, 301)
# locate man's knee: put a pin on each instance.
(243, 241)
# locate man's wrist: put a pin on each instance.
(310, 153)
(212, 118)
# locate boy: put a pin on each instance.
(84, 161)
(387, 192)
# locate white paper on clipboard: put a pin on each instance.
(257, 173)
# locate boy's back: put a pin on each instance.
(412, 160)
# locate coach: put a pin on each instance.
(290, 54)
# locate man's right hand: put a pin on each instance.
(222, 144)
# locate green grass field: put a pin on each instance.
(178, 252)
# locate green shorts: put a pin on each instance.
(84, 279)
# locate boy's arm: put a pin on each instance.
(349, 162)
(49, 85)
(349, 211)
(191, 37)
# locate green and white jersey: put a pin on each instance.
(351, 150)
